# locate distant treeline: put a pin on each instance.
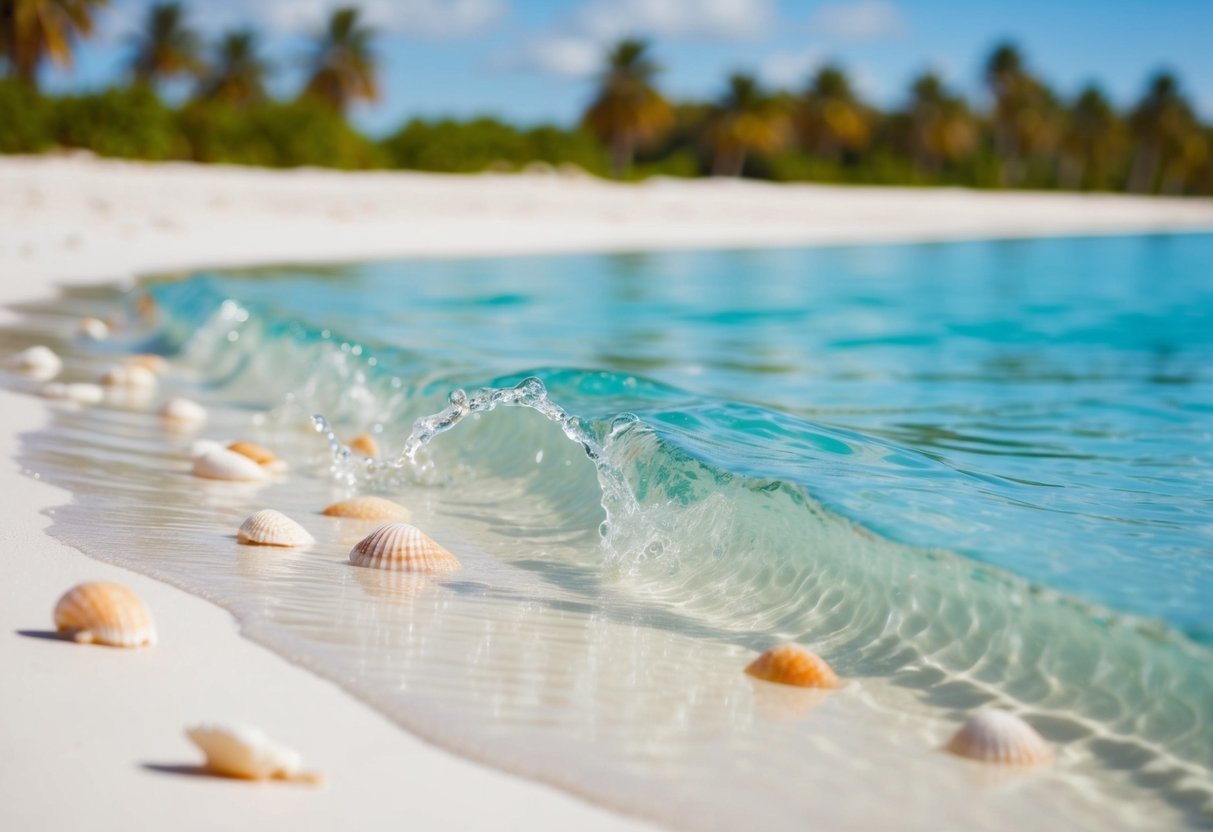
(1028, 136)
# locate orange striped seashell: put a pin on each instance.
(402, 548)
(272, 528)
(791, 664)
(246, 753)
(149, 361)
(994, 736)
(257, 453)
(365, 444)
(100, 612)
(368, 508)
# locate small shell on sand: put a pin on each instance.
(149, 361)
(368, 508)
(79, 392)
(222, 464)
(94, 329)
(272, 528)
(365, 444)
(100, 612)
(38, 362)
(257, 453)
(182, 411)
(791, 664)
(128, 376)
(402, 548)
(246, 753)
(994, 736)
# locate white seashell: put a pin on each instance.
(272, 528)
(80, 392)
(37, 362)
(245, 752)
(368, 508)
(128, 376)
(222, 464)
(402, 548)
(104, 613)
(257, 453)
(200, 446)
(182, 411)
(94, 329)
(994, 736)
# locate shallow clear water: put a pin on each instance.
(965, 474)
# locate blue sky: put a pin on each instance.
(532, 60)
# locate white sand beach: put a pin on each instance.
(79, 220)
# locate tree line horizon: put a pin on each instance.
(1028, 137)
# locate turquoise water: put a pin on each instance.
(966, 475)
(1045, 407)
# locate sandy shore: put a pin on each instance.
(96, 734)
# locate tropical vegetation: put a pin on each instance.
(213, 102)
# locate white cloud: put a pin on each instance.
(711, 19)
(422, 18)
(859, 20)
(791, 69)
(575, 47)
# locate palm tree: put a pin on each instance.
(31, 30)
(1160, 124)
(628, 110)
(1092, 141)
(942, 130)
(832, 119)
(168, 47)
(344, 67)
(238, 73)
(747, 120)
(1024, 112)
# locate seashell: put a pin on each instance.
(200, 446)
(222, 464)
(994, 736)
(272, 528)
(365, 444)
(791, 664)
(368, 508)
(246, 753)
(257, 453)
(149, 361)
(94, 329)
(402, 548)
(79, 392)
(128, 376)
(100, 612)
(37, 362)
(182, 411)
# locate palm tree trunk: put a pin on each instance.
(622, 151)
(1145, 169)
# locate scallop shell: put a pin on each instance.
(182, 411)
(94, 329)
(994, 736)
(38, 362)
(365, 444)
(79, 392)
(272, 528)
(129, 376)
(368, 508)
(222, 464)
(245, 752)
(104, 613)
(402, 548)
(257, 453)
(149, 361)
(791, 664)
